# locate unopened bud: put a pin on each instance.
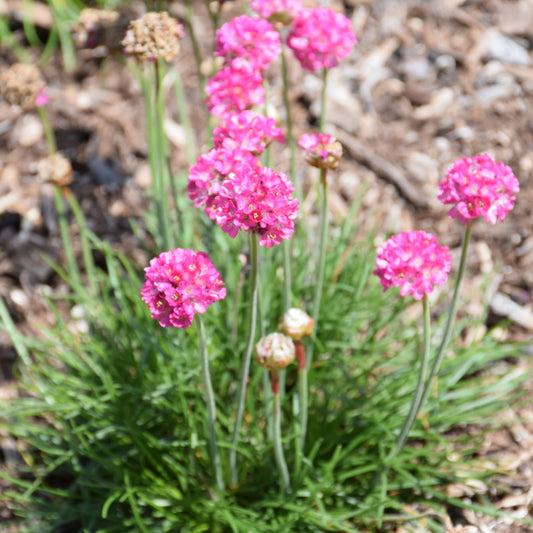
(296, 324)
(275, 351)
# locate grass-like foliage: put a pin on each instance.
(115, 421)
(112, 425)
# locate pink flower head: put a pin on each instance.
(247, 131)
(211, 169)
(239, 194)
(321, 150)
(320, 38)
(479, 186)
(234, 89)
(248, 39)
(264, 205)
(282, 11)
(178, 284)
(413, 261)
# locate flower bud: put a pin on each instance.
(296, 324)
(275, 351)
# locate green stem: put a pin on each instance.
(278, 446)
(322, 120)
(287, 104)
(418, 397)
(451, 315)
(319, 283)
(210, 402)
(302, 398)
(48, 131)
(194, 41)
(245, 368)
(72, 266)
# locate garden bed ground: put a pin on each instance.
(428, 83)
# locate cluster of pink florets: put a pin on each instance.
(477, 186)
(248, 40)
(413, 261)
(474, 186)
(247, 131)
(180, 283)
(320, 38)
(237, 193)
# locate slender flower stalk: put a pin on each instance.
(323, 100)
(297, 324)
(275, 352)
(179, 286)
(418, 400)
(278, 446)
(245, 368)
(210, 403)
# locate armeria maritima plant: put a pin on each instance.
(180, 285)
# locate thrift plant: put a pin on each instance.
(117, 409)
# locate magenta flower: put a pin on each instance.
(264, 205)
(234, 89)
(211, 169)
(247, 131)
(249, 39)
(321, 150)
(282, 11)
(238, 194)
(320, 38)
(413, 261)
(180, 283)
(479, 186)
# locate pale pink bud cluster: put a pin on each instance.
(320, 38)
(321, 150)
(296, 323)
(275, 352)
(180, 283)
(277, 11)
(239, 194)
(247, 39)
(234, 89)
(247, 131)
(477, 186)
(413, 261)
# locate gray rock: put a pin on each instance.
(506, 50)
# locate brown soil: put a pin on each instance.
(428, 83)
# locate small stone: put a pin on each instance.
(505, 49)
(28, 131)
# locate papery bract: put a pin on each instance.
(296, 323)
(321, 150)
(249, 39)
(320, 38)
(246, 131)
(413, 261)
(234, 89)
(180, 283)
(477, 186)
(282, 11)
